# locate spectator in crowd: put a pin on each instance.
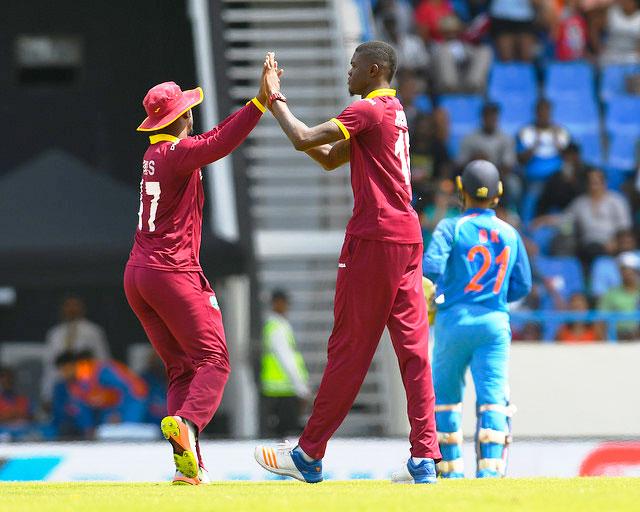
(428, 15)
(400, 10)
(624, 298)
(74, 334)
(491, 143)
(92, 392)
(155, 377)
(430, 158)
(540, 145)
(595, 216)
(513, 29)
(571, 34)
(562, 187)
(619, 38)
(458, 66)
(443, 206)
(285, 387)
(411, 92)
(605, 273)
(578, 331)
(15, 407)
(411, 50)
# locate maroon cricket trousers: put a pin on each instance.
(379, 284)
(180, 315)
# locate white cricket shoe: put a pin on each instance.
(412, 473)
(287, 460)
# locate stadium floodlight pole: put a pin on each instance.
(224, 217)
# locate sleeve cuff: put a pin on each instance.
(259, 105)
(339, 124)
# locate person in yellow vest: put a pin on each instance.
(283, 376)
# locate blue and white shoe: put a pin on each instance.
(287, 460)
(411, 473)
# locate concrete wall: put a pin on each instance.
(560, 391)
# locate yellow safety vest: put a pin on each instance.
(275, 381)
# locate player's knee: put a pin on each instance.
(493, 423)
(448, 417)
(218, 360)
(179, 372)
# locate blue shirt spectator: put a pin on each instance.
(540, 145)
(93, 392)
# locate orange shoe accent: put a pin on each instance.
(274, 458)
(185, 480)
(264, 457)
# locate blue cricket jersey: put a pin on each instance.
(477, 259)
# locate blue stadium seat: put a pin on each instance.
(579, 115)
(612, 80)
(422, 102)
(622, 152)
(590, 148)
(569, 80)
(464, 116)
(623, 116)
(516, 80)
(543, 237)
(564, 271)
(515, 113)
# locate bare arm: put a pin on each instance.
(302, 136)
(331, 157)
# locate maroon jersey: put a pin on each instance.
(380, 177)
(172, 196)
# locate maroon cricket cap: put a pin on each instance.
(166, 102)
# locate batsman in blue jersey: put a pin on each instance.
(479, 264)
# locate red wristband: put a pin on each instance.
(277, 96)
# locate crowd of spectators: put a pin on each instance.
(546, 90)
(82, 388)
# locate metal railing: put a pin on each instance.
(610, 319)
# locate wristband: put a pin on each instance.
(277, 96)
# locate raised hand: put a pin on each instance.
(271, 76)
(262, 95)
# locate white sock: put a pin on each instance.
(193, 431)
(417, 460)
(305, 456)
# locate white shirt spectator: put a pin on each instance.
(623, 40)
(497, 147)
(599, 222)
(547, 145)
(76, 336)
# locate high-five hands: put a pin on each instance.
(271, 76)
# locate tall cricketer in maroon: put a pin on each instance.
(379, 281)
(163, 280)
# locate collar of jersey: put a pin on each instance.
(380, 92)
(488, 211)
(163, 137)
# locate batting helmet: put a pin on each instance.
(480, 179)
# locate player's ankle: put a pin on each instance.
(306, 457)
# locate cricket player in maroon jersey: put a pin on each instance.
(379, 279)
(163, 280)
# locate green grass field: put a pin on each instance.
(548, 495)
